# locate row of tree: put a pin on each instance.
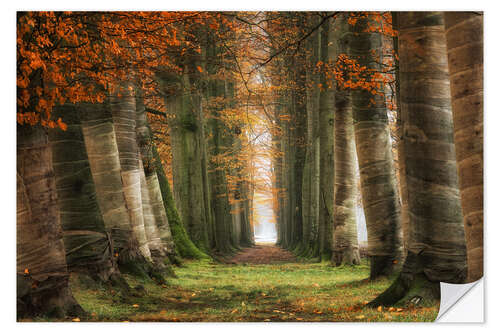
(92, 194)
(100, 95)
(338, 96)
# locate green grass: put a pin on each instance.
(207, 291)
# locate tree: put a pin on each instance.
(464, 40)
(310, 187)
(102, 151)
(345, 235)
(436, 249)
(373, 146)
(89, 249)
(42, 275)
(182, 104)
(403, 191)
(183, 243)
(146, 145)
(326, 134)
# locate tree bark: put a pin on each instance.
(403, 189)
(157, 226)
(326, 133)
(464, 37)
(437, 251)
(102, 151)
(183, 244)
(376, 167)
(42, 275)
(89, 248)
(123, 110)
(188, 182)
(310, 189)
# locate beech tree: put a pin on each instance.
(88, 247)
(378, 181)
(149, 137)
(464, 40)
(345, 235)
(436, 246)
(42, 275)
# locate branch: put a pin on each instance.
(297, 42)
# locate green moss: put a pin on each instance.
(134, 267)
(188, 121)
(184, 246)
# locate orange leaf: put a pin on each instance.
(199, 69)
(62, 125)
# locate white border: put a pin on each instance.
(7, 132)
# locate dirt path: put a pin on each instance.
(263, 254)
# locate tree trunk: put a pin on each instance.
(188, 183)
(89, 248)
(102, 151)
(299, 135)
(376, 167)
(464, 37)
(310, 189)
(326, 132)
(403, 189)
(42, 276)
(219, 195)
(436, 251)
(123, 111)
(156, 247)
(183, 244)
(345, 233)
(157, 228)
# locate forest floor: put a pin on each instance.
(263, 283)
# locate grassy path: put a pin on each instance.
(249, 288)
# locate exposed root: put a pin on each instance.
(51, 298)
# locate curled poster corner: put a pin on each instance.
(462, 303)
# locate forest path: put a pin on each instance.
(263, 254)
(248, 290)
